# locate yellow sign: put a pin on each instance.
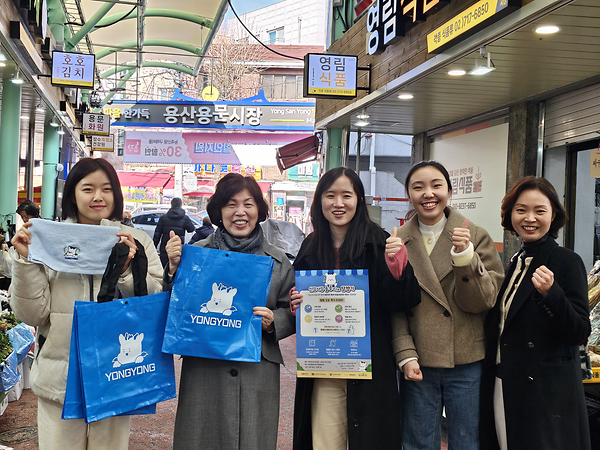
(467, 23)
(595, 164)
(210, 94)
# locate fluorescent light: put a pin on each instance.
(406, 96)
(362, 123)
(2, 56)
(2, 64)
(53, 122)
(547, 29)
(39, 108)
(457, 72)
(483, 63)
(363, 115)
(60, 131)
(24, 117)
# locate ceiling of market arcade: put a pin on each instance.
(127, 34)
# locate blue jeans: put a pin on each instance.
(455, 389)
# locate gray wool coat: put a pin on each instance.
(230, 405)
(446, 328)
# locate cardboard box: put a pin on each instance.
(4, 402)
(25, 377)
(15, 393)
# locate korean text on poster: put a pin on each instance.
(333, 337)
(467, 187)
(73, 69)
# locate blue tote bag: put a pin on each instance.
(212, 301)
(73, 406)
(116, 365)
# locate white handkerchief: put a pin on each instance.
(71, 247)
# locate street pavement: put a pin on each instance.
(18, 424)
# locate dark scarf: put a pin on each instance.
(225, 241)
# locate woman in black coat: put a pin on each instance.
(532, 396)
(345, 237)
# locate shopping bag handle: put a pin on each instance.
(114, 267)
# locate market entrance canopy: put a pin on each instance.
(299, 152)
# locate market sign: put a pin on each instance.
(96, 124)
(389, 20)
(469, 22)
(330, 76)
(237, 115)
(103, 143)
(73, 69)
(595, 164)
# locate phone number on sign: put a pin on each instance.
(465, 205)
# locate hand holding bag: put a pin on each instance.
(116, 365)
(212, 301)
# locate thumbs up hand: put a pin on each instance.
(173, 249)
(393, 243)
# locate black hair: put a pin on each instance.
(206, 222)
(82, 169)
(176, 202)
(422, 164)
(29, 208)
(533, 183)
(227, 188)
(360, 228)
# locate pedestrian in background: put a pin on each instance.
(439, 344)
(28, 210)
(230, 405)
(45, 298)
(531, 394)
(337, 414)
(174, 220)
(203, 232)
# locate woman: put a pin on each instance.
(531, 394)
(439, 344)
(45, 298)
(334, 414)
(28, 210)
(229, 404)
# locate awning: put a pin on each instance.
(143, 179)
(298, 152)
(201, 191)
(264, 186)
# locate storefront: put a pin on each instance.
(477, 83)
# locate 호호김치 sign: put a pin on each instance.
(73, 69)
(333, 337)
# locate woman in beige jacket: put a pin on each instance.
(439, 343)
(44, 298)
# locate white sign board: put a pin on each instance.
(96, 124)
(330, 76)
(103, 143)
(476, 162)
(73, 69)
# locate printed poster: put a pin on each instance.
(333, 335)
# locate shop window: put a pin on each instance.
(305, 170)
(165, 93)
(279, 87)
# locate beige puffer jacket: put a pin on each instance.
(44, 298)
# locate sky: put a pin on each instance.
(244, 6)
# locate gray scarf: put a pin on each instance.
(225, 241)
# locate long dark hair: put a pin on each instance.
(420, 165)
(82, 169)
(361, 225)
(533, 183)
(228, 187)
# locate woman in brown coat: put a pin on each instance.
(439, 343)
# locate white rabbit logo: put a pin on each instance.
(221, 301)
(131, 349)
(330, 280)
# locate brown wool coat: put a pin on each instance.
(446, 328)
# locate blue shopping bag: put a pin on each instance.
(122, 366)
(73, 407)
(21, 339)
(9, 375)
(212, 301)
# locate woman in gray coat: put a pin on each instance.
(230, 405)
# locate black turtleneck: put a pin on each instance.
(530, 248)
